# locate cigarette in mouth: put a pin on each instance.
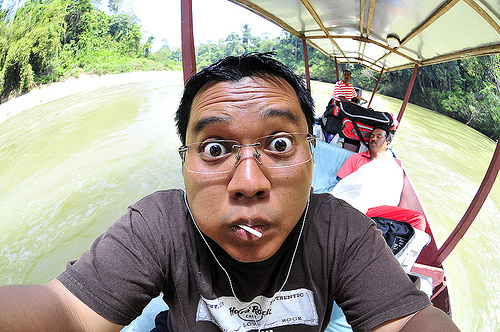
(251, 230)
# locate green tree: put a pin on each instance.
(123, 29)
(29, 40)
(467, 90)
(147, 46)
(233, 45)
(208, 53)
(114, 6)
(44, 40)
(289, 51)
(74, 26)
(246, 39)
(171, 59)
(267, 44)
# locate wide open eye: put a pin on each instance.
(281, 143)
(215, 149)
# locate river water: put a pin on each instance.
(69, 168)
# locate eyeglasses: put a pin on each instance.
(277, 152)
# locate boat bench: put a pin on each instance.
(328, 159)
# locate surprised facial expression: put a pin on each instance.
(270, 201)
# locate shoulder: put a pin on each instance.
(325, 208)
(361, 156)
(161, 200)
(162, 195)
(358, 157)
(153, 219)
(365, 154)
(160, 213)
(327, 203)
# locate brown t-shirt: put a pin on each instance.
(156, 248)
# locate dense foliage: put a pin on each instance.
(44, 41)
(467, 90)
(48, 40)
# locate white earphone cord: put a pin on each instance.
(227, 274)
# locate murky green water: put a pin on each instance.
(447, 162)
(70, 168)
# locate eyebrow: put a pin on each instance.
(204, 122)
(281, 113)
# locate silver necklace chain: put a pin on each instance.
(227, 274)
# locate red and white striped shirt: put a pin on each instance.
(345, 90)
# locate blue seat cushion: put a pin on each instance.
(328, 159)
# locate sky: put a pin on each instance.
(212, 20)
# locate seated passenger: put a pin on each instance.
(372, 182)
(344, 91)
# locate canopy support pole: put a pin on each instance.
(472, 211)
(408, 93)
(376, 87)
(306, 64)
(188, 51)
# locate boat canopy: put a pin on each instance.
(388, 35)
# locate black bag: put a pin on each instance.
(354, 122)
(366, 116)
(396, 233)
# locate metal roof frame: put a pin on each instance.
(357, 31)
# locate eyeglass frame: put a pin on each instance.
(310, 138)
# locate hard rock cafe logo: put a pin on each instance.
(253, 312)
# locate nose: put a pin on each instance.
(248, 180)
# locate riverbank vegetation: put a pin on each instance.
(51, 40)
(47, 41)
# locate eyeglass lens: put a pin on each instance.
(274, 151)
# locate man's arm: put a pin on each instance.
(430, 319)
(338, 93)
(345, 100)
(49, 307)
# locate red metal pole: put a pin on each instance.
(188, 53)
(408, 93)
(306, 64)
(376, 87)
(472, 211)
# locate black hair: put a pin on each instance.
(388, 134)
(235, 68)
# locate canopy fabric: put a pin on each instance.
(388, 34)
